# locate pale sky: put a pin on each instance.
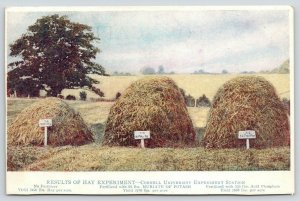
(181, 41)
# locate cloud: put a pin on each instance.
(182, 41)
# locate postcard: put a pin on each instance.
(166, 100)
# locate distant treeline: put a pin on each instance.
(201, 71)
(160, 70)
(282, 69)
(147, 70)
(116, 73)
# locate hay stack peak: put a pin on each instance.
(68, 126)
(247, 103)
(155, 104)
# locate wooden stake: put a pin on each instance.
(45, 136)
(142, 143)
(247, 144)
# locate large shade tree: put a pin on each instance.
(55, 53)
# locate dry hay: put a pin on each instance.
(247, 103)
(68, 126)
(154, 104)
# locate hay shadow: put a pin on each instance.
(200, 133)
(98, 131)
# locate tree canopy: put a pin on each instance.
(148, 70)
(52, 55)
(161, 69)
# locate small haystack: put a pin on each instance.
(247, 103)
(68, 126)
(154, 104)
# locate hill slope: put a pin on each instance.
(283, 68)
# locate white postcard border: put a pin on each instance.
(284, 181)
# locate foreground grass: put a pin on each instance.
(96, 158)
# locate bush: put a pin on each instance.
(82, 95)
(189, 101)
(60, 96)
(70, 97)
(203, 101)
(97, 91)
(118, 95)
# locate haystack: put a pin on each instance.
(154, 104)
(247, 103)
(68, 128)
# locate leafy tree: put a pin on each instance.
(82, 95)
(224, 71)
(23, 87)
(161, 70)
(54, 54)
(148, 71)
(203, 101)
(188, 99)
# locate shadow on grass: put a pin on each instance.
(98, 131)
(200, 133)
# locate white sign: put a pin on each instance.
(248, 134)
(141, 135)
(138, 135)
(45, 122)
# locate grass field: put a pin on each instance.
(195, 85)
(95, 157)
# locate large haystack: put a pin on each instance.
(154, 104)
(68, 126)
(247, 103)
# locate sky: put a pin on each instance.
(181, 41)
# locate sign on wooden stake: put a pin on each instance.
(247, 134)
(141, 135)
(45, 123)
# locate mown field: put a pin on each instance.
(195, 85)
(95, 157)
